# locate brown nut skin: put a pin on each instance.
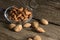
(18, 28)
(40, 30)
(44, 21)
(37, 37)
(11, 26)
(27, 25)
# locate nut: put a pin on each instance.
(21, 9)
(18, 28)
(11, 25)
(44, 21)
(39, 29)
(37, 37)
(27, 12)
(27, 25)
(22, 17)
(25, 19)
(30, 39)
(19, 15)
(35, 24)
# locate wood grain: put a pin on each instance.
(48, 9)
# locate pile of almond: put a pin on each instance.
(19, 14)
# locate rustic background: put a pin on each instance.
(48, 9)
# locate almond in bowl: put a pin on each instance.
(14, 14)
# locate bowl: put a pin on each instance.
(6, 14)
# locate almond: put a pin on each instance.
(27, 25)
(11, 25)
(35, 24)
(18, 28)
(39, 29)
(37, 37)
(21, 9)
(44, 21)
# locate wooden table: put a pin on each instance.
(48, 9)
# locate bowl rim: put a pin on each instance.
(6, 12)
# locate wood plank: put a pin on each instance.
(48, 9)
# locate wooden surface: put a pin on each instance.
(48, 9)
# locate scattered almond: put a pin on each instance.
(11, 25)
(18, 28)
(37, 37)
(35, 24)
(27, 25)
(39, 29)
(44, 21)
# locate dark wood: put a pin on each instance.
(48, 9)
